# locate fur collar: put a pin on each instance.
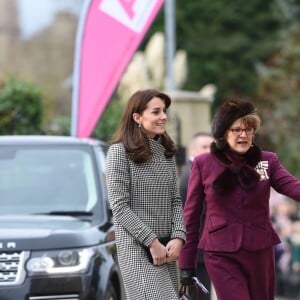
(239, 168)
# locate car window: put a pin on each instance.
(41, 180)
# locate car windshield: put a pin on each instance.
(37, 179)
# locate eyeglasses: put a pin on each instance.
(239, 131)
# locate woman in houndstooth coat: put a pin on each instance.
(143, 194)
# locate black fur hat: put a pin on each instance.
(227, 114)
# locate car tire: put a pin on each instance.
(111, 293)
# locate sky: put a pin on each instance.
(35, 15)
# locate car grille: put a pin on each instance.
(55, 297)
(12, 267)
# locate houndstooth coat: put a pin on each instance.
(146, 204)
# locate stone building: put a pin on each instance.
(9, 34)
(44, 59)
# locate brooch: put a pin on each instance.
(261, 168)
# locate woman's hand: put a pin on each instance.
(173, 249)
(158, 252)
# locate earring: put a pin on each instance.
(140, 125)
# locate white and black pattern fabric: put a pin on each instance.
(146, 204)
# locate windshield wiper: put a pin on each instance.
(73, 213)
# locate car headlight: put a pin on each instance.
(60, 261)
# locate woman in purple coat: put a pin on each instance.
(233, 182)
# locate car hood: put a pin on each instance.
(40, 232)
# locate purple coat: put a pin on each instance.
(238, 220)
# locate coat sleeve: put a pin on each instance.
(192, 217)
(178, 228)
(282, 180)
(118, 189)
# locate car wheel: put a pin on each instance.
(111, 293)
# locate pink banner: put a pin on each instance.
(109, 33)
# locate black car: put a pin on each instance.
(56, 233)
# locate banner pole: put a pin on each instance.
(170, 42)
(76, 68)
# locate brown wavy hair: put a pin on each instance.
(133, 138)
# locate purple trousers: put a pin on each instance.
(242, 275)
